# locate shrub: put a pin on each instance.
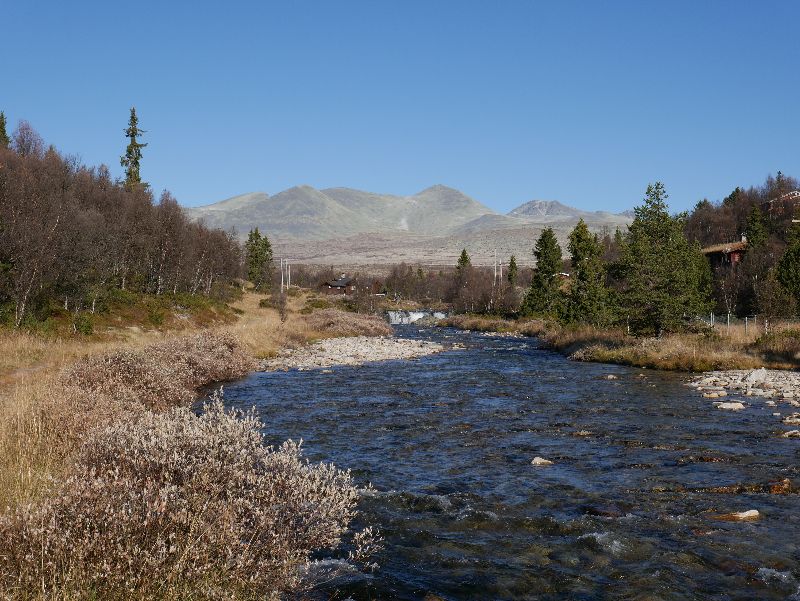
(783, 344)
(83, 324)
(163, 374)
(334, 322)
(175, 505)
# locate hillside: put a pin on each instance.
(344, 226)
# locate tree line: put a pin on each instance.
(70, 235)
(651, 279)
(767, 280)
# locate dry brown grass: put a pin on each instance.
(54, 391)
(333, 323)
(734, 347)
(483, 323)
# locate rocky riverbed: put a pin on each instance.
(735, 390)
(356, 350)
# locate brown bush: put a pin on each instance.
(163, 374)
(781, 344)
(334, 322)
(172, 505)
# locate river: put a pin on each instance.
(623, 512)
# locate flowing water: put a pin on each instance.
(623, 513)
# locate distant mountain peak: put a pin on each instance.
(545, 208)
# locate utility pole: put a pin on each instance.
(494, 282)
(281, 274)
(288, 275)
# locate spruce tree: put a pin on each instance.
(665, 280)
(788, 270)
(258, 259)
(133, 153)
(463, 262)
(5, 141)
(588, 298)
(756, 228)
(543, 296)
(512, 271)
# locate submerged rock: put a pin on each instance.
(541, 461)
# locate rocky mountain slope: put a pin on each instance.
(351, 227)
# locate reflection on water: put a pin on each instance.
(622, 513)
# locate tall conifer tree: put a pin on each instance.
(5, 141)
(258, 259)
(665, 279)
(756, 228)
(132, 158)
(463, 262)
(512, 271)
(543, 296)
(588, 298)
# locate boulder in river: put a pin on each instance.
(791, 434)
(541, 461)
(740, 516)
(756, 376)
(792, 420)
(730, 406)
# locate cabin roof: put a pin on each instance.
(341, 282)
(725, 247)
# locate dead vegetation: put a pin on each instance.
(706, 350)
(79, 489)
(333, 323)
(172, 505)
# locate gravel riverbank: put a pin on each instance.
(775, 389)
(356, 350)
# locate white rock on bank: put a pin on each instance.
(756, 376)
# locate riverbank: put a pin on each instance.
(57, 395)
(695, 352)
(351, 352)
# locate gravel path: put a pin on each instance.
(357, 350)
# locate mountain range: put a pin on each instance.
(353, 227)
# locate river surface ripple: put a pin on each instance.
(447, 441)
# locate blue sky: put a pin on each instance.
(583, 102)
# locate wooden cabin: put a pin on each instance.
(341, 285)
(726, 254)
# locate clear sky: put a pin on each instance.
(582, 102)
